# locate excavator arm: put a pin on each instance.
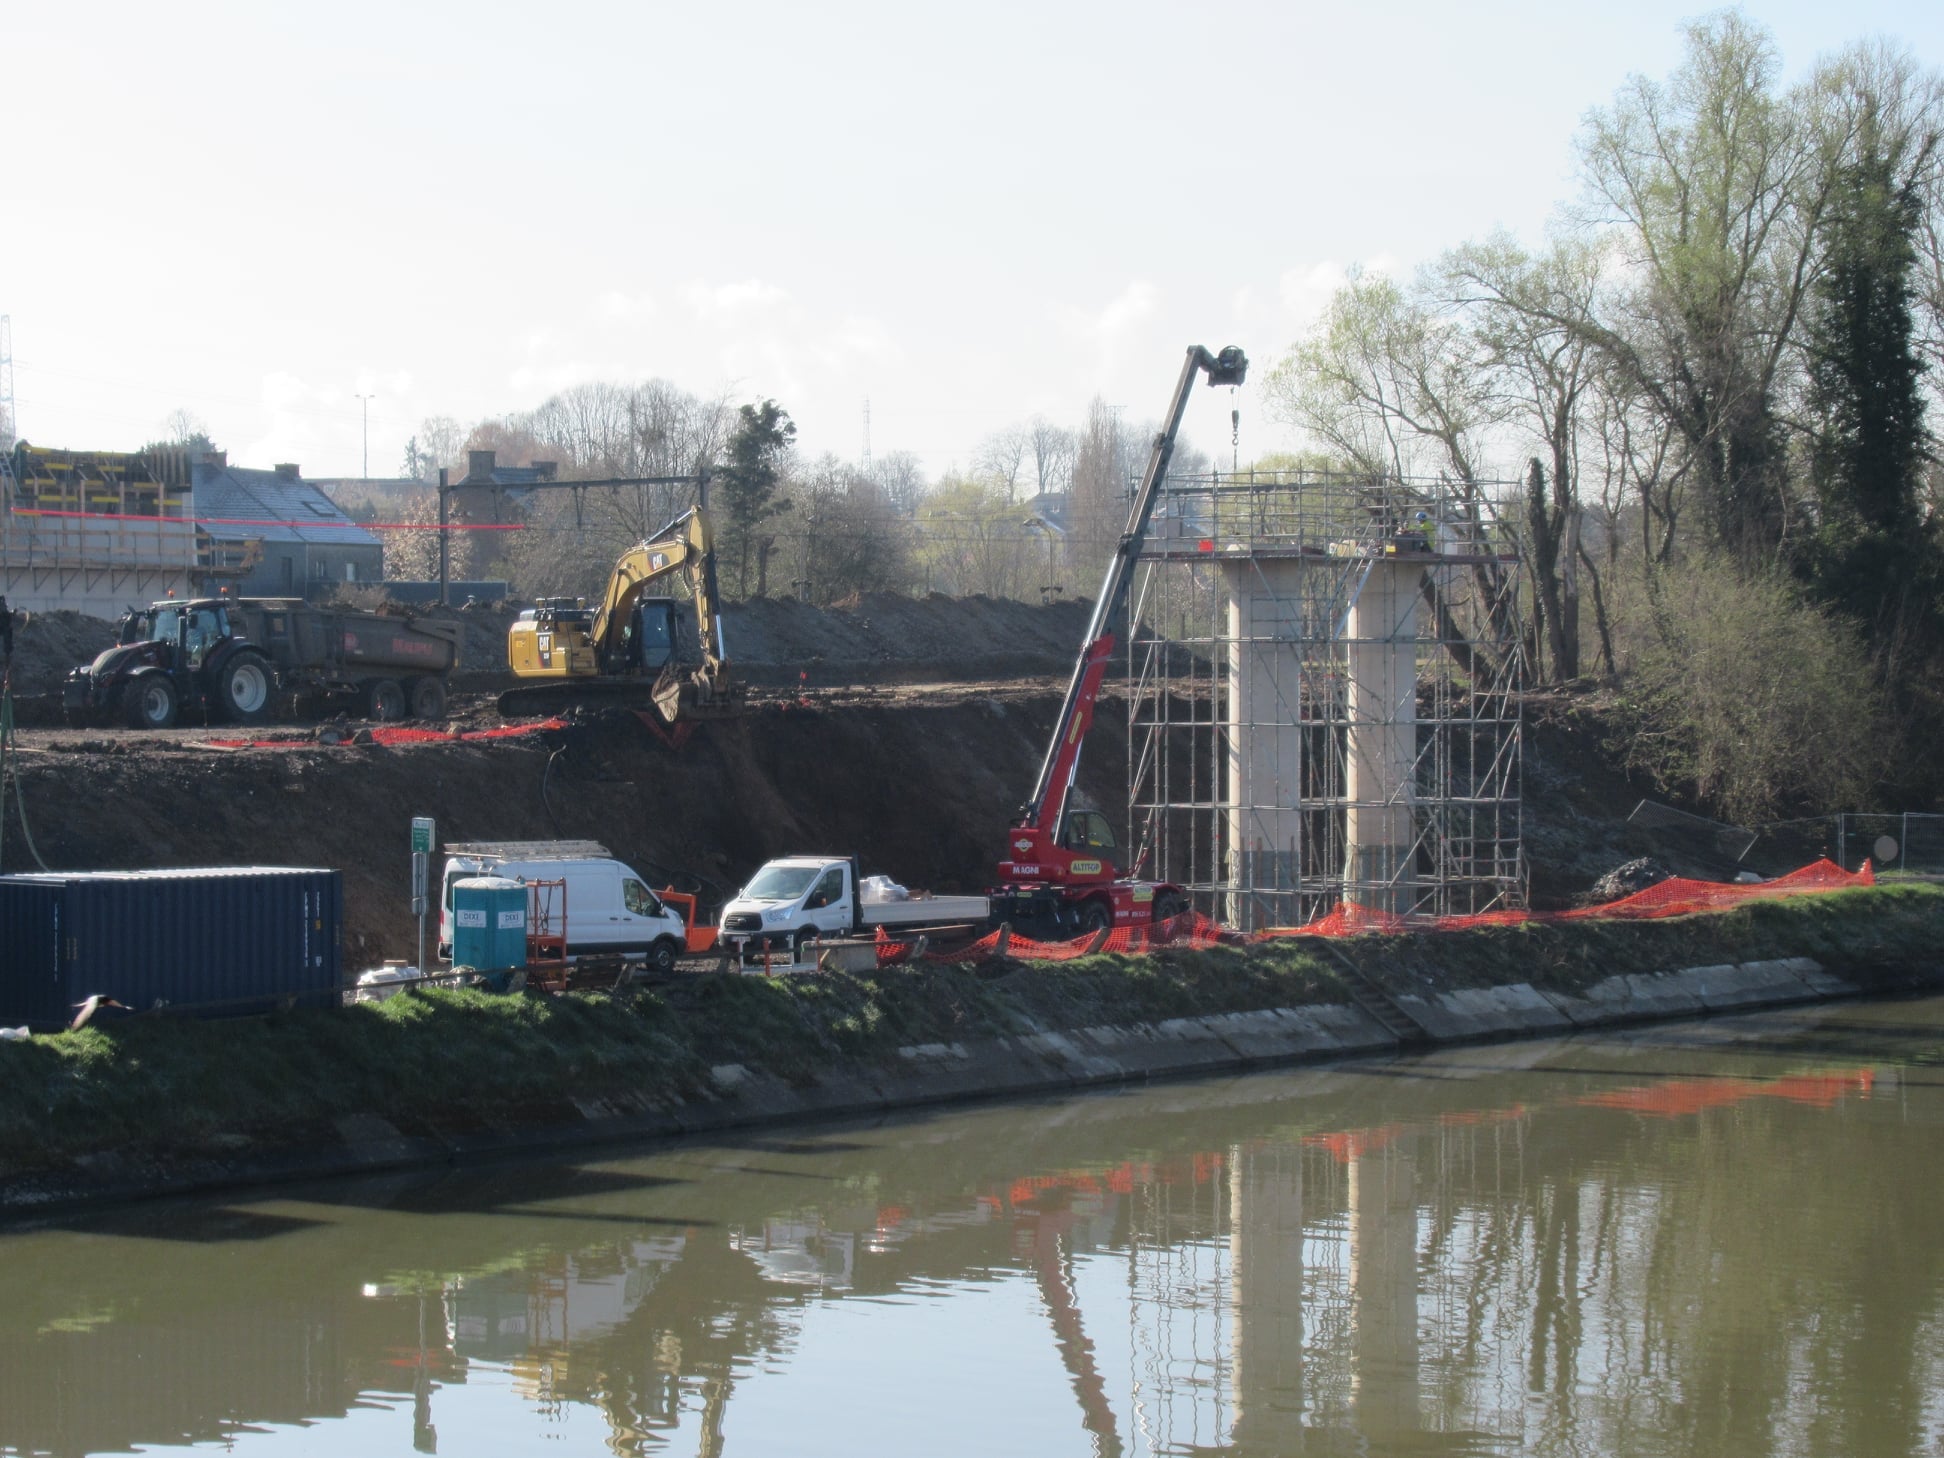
(590, 654)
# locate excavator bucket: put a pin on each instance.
(694, 696)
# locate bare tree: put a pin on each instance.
(901, 477)
(1053, 450)
(1003, 456)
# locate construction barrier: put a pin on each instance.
(1675, 896)
(386, 734)
(1193, 931)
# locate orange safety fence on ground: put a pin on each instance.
(385, 734)
(1190, 930)
(1674, 897)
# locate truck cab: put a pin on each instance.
(798, 899)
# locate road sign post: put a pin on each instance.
(423, 834)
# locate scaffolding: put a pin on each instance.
(1323, 697)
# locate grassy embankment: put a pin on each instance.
(161, 1089)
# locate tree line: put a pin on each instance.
(1716, 377)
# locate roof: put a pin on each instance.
(237, 504)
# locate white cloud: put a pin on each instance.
(617, 307)
(751, 296)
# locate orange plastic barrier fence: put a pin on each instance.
(387, 735)
(1673, 897)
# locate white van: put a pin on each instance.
(609, 907)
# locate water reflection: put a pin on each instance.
(1719, 1239)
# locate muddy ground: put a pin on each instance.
(905, 731)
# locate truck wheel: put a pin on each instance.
(1095, 917)
(661, 958)
(149, 700)
(428, 698)
(797, 944)
(243, 688)
(384, 700)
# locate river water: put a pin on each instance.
(1711, 1238)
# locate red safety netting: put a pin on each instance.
(389, 735)
(1190, 930)
(1675, 896)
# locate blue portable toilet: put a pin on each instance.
(489, 923)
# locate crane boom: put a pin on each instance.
(1229, 367)
(1067, 869)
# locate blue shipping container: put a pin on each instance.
(227, 940)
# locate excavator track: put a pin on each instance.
(539, 700)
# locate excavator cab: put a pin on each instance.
(651, 635)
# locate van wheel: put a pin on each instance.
(661, 958)
(797, 944)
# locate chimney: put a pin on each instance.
(289, 471)
(479, 465)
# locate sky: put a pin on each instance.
(965, 216)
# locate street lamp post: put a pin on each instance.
(367, 436)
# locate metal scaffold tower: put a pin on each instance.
(1323, 697)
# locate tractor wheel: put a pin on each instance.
(1095, 916)
(661, 958)
(243, 688)
(428, 698)
(149, 701)
(384, 700)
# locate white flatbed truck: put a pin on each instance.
(796, 901)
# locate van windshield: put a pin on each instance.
(780, 883)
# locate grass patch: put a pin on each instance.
(160, 1088)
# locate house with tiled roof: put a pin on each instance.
(288, 535)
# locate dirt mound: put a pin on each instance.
(51, 644)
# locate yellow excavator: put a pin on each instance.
(575, 654)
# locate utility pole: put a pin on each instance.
(367, 436)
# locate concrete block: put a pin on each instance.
(1484, 1012)
(1630, 997)
(1747, 984)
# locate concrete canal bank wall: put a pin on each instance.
(155, 1106)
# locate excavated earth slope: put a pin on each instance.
(915, 764)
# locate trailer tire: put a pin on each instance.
(661, 957)
(427, 697)
(1095, 916)
(384, 700)
(149, 701)
(243, 688)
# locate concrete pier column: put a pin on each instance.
(1266, 1252)
(1263, 757)
(1384, 1288)
(1380, 754)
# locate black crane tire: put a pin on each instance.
(1095, 916)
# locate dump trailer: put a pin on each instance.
(228, 659)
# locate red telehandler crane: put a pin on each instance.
(1060, 864)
